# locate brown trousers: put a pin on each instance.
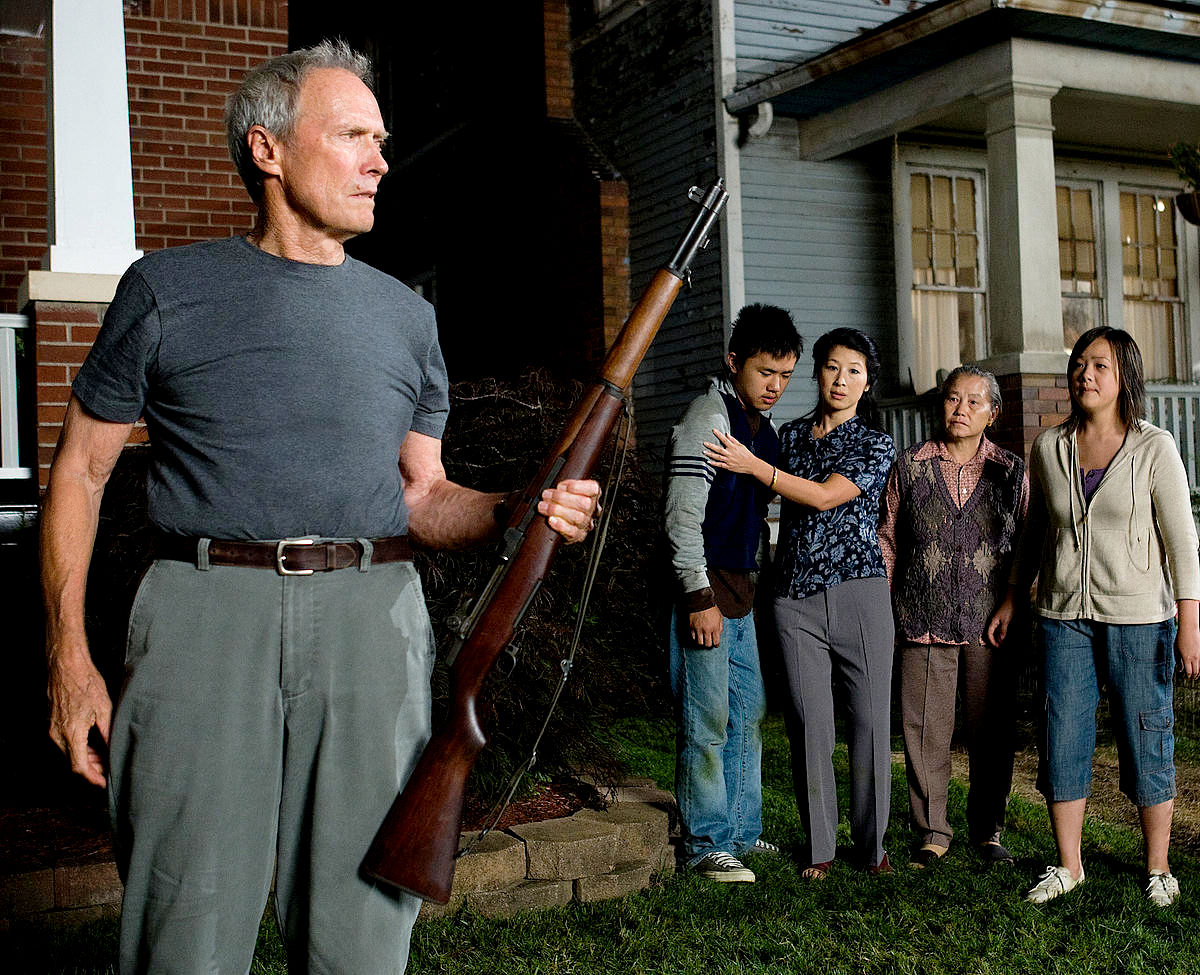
(930, 675)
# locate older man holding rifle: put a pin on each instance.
(277, 671)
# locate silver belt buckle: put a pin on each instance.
(281, 554)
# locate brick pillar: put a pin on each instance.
(612, 192)
(560, 93)
(1033, 402)
(65, 312)
(614, 255)
(63, 334)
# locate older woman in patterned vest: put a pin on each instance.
(951, 515)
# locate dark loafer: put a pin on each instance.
(884, 866)
(924, 857)
(994, 852)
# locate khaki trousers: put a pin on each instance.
(930, 677)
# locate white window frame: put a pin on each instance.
(1113, 178)
(1102, 244)
(907, 160)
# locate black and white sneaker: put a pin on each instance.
(724, 868)
(762, 846)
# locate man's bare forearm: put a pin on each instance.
(450, 516)
(79, 702)
(68, 532)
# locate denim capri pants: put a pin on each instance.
(1137, 662)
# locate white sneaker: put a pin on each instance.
(1053, 883)
(724, 868)
(1163, 889)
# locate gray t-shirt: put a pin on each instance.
(276, 393)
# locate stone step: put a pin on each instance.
(568, 848)
(641, 827)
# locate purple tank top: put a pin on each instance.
(1091, 481)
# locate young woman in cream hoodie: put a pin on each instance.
(1111, 539)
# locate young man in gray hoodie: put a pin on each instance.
(716, 532)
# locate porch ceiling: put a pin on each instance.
(1129, 74)
(1093, 120)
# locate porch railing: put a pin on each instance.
(911, 419)
(1176, 408)
(11, 326)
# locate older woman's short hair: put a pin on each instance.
(989, 380)
(269, 95)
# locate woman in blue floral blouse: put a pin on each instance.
(832, 604)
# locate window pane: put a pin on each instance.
(1153, 312)
(1153, 326)
(918, 187)
(948, 308)
(968, 260)
(1062, 196)
(921, 257)
(1146, 217)
(942, 212)
(1085, 261)
(936, 324)
(1166, 221)
(1081, 214)
(967, 351)
(1079, 314)
(943, 259)
(1128, 218)
(964, 204)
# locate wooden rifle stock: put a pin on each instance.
(415, 847)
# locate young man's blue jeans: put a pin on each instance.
(720, 705)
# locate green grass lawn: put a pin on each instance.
(958, 917)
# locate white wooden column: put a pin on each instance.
(1025, 314)
(91, 173)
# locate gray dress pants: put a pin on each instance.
(838, 644)
(265, 726)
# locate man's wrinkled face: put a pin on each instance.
(331, 165)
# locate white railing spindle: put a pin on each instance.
(10, 438)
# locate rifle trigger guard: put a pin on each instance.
(506, 669)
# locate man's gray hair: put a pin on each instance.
(993, 386)
(269, 94)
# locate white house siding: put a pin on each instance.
(776, 34)
(644, 91)
(818, 241)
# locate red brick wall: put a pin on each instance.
(1032, 403)
(65, 331)
(557, 29)
(184, 57)
(23, 179)
(614, 256)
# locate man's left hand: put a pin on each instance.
(571, 508)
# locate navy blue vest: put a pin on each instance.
(737, 503)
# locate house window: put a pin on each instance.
(1078, 260)
(1153, 308)
(948, 287)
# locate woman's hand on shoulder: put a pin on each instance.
(730, 454)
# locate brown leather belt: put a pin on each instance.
(288, 557)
